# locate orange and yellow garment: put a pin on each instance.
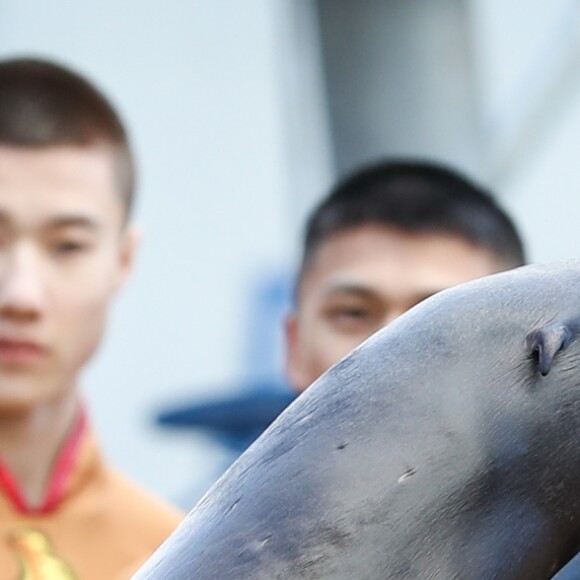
(92, 524)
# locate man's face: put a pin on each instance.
(359, 280)
(64, 251)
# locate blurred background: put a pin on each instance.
(242, 114)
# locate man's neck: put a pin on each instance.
(30, 441)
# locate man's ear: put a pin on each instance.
(130, 242)
(293, 362)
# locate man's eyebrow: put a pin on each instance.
(60, 222)
(69, 221)
(350, 288)
(366, 292)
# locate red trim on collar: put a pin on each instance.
(59, 477)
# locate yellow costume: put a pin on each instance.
(92, 524)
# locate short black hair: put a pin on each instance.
(417, 197)
(44, 104)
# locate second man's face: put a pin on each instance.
(360, 279)
(64, 251)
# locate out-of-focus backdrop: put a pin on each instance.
(242, 114)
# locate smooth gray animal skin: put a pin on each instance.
(445, 447)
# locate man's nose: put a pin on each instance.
(22, 294)
(392, 314)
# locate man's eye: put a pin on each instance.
(355, 313)
(350, 315)
(68, 247)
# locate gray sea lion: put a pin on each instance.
(445, 447)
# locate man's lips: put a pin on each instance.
(20, 352)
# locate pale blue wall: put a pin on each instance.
(527, 54)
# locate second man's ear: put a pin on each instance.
(293, 358)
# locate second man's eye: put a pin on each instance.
(352, 318)
(357, 313)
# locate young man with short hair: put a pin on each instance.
(66, 247)
(386, 238)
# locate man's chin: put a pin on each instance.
(13, 405)
(19, 397)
